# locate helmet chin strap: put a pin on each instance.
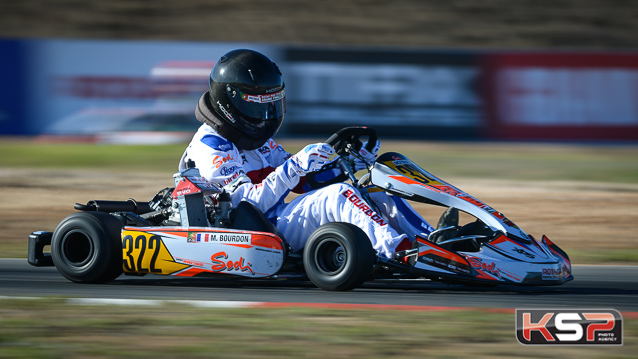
(205, 114)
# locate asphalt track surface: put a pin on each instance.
(604, 287)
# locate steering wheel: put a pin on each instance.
(345, 141)
(348, 139)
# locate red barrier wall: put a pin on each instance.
(580, 96)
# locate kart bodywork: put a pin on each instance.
(491, 250)
(191, 230)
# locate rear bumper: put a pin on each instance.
(36, 255)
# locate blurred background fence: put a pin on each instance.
(132, 71)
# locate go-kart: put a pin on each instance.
(191, 230)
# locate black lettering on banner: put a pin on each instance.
(569, 327)
(133, 262)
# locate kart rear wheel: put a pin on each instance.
(87, 248)
(338, 256)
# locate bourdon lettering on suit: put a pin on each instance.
(361, 204)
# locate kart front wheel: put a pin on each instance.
(87, 248)
(338, 256)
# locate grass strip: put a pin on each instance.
(526, 161)
(53, 328)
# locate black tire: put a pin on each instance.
(87, 247)
(338, 256)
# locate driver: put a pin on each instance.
(233, 147)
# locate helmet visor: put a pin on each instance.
(259, 107)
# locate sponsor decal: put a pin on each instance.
(278, 88)
(264, 150)
(478, 264)
(401, 162)
(289, 170)
(184, 188)
(420, 177)
(189, 262)
(439, 257)
(229, 180)
(222, 264)
(511, 276)
(227, 171)
(410, 170)
(271, 97)
(226, 113)
(568, 327)
(551, 274)
(272, 177)
(225, 238)
(218, 161)
(450, 190)
(238, 182)
(217, 143)
(524, 252)
(359, 203)
(225, 147)
(146, 253)
(269, 146)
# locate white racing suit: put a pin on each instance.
(264, 178)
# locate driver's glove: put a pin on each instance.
(311, 158)
(364, 155)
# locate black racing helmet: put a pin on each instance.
(247, 94)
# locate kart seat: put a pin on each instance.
(246, 216)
